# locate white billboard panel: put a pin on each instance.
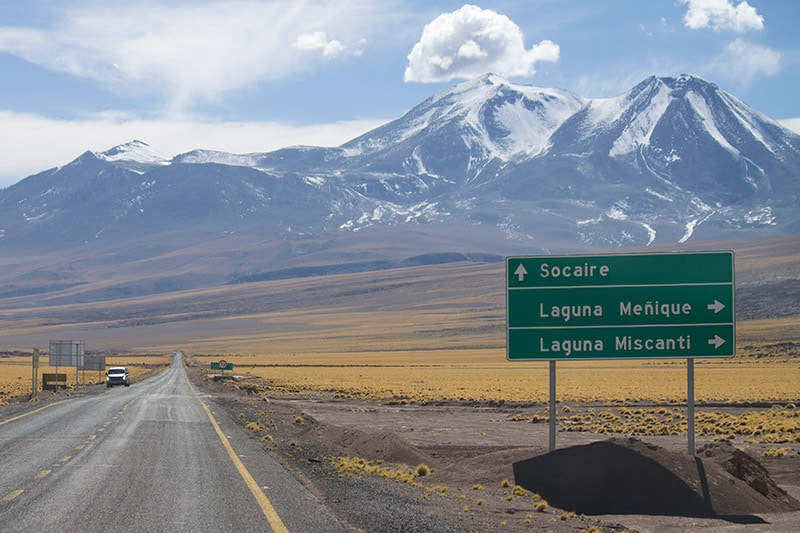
(67, 353)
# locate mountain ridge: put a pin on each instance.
(486, 168)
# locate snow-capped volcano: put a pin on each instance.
(673, 122)
(502, 119)
(486, 166)
(489, 118)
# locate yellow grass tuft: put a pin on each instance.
(255, 427)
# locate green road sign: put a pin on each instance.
(222, 365)
(620, 306)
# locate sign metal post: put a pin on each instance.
(34, 371)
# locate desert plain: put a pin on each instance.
(397, 380)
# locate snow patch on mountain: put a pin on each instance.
(223, 158)
(135, 151)
(529, 130)
(602, 111)
(658, 195)
(511, 120)
(413, 124)
(700, 106)
(637, 133)
(650, 232)
(390, 213)
(418, 165)
(761, 215)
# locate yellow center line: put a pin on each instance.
(23, 415)
(13, 494)
(266, 507)
(43, 473)
(65, 459)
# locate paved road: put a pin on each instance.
(157, 456)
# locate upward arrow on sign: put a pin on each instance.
(520, 272)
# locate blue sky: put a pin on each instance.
(254, 76)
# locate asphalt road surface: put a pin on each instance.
(155, 456)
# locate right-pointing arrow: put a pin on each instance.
(717, 341)
(717, 306)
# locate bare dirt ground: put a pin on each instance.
(488, 467)
(475, 453)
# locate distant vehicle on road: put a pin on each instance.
(117, 375)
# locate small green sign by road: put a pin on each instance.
(620, 306)
(221, 365)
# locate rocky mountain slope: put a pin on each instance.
(485, 169)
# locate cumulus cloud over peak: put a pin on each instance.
(722, 15)
(471, 41)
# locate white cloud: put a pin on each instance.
(742, 61)
(32, 143)
(190, 51)
(722, 15)
(319, 41)
(791, 123)
(472, 41)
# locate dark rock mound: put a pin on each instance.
(628, 476)
(742, 466)
(385, 446)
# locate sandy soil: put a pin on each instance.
(476, 455)
(480, 452)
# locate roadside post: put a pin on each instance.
(620, 306)
(34, 370)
